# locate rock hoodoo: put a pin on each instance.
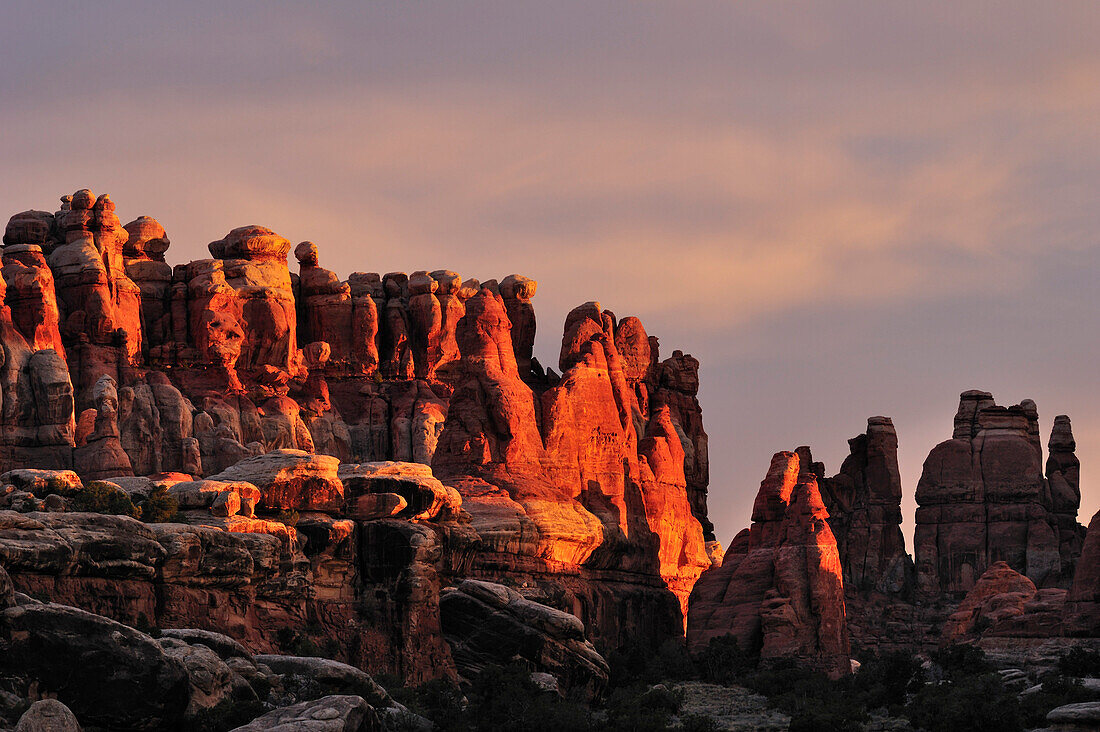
(983, 498)
(401, 418)
(780, 588)
(864, 503)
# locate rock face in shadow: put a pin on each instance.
(487, 623)
(126, 680)
(780, 587)
(864, 504)
(1083, 601)
(253, 394)
(182, 679)
(983, 498)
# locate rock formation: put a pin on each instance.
(182, 679)
(1083, 601)
(251, 394)
(1063, 472)
(983, 498)
(864, 503)
(488, 623)
(1003, 602)
(779, 589)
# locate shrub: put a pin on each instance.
(627, 665)
(832, 718)
(438, 700)
(227, 715)
(290, 518)
(961, 661)
(640, 709)
(100, 496)
(723, 661)
(884, 681)
(1055, 692)
(977, 703)
(146, 626)
(504, 697)
(812, 700)
(1080, 662)
(297, 643)
(698, 723)
(671, 662)
(160, 507)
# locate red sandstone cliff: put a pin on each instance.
(588, 489)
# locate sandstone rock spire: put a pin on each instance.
(780, 588)
(864, 503)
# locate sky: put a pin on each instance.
(842, 209)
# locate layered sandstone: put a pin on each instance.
(1003, 602)
(268, 392)
(864, 503)
(1083, 601)
(780, 589)
(983, 498)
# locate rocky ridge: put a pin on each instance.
(401, 418)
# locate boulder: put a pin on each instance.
(1080, 716)
(210, 680)
(424, 496)
(48, 715)
(78, 544)
(290, 479)
(371, 506)
(1003, 602)
(487, 623)
(308, 677)
(327, 714)
(204, 494)
(37, 481)
(222, 645)
(126, 680)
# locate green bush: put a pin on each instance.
(297, 643)
(160, 507)
(627, 665)
(810, 698)
(1055, 693)
(961, 661)
(671, 662)
(723, 661)
(227, 715)
(438, 700)
(978, 703)
(290, 518)
(698, 723)
(638, 708)
(884, 680)
(1080, 662)
(100, 496)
